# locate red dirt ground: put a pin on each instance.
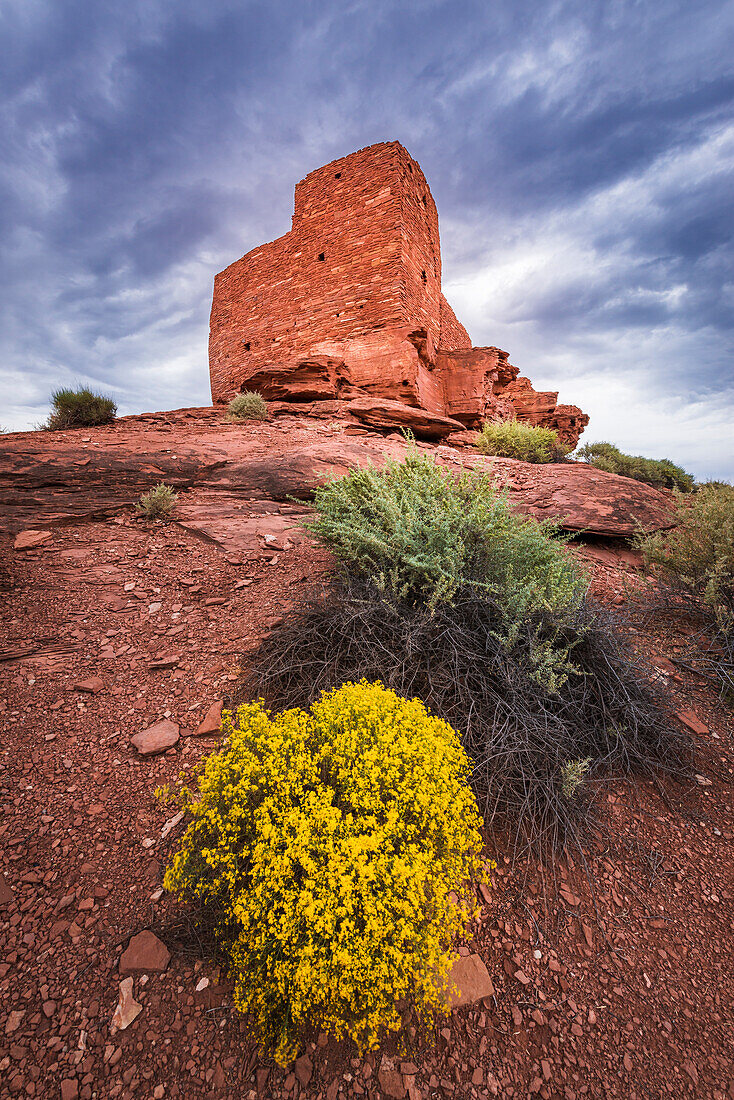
(625, 991)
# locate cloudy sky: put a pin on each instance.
(581, 155)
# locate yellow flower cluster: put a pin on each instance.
(334, 844)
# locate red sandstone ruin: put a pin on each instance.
(347, 307)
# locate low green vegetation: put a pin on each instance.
(79, 408)
(661, 473)
(420, 532)
(331, 849)
(247, 406)
(158, 503)
(696, 559)
(511, 439)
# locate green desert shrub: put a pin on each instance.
(698, 552)
(158, 503)
(696, 558)
(247, 406)
(421, 532)
(660, 473)
(511, 439)
(333, 848)
(80, 408)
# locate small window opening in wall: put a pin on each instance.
(322, 255)
(247, 344)
(423, 198)
(337, 175)
(423, 277)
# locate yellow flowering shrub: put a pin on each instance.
(335, 846)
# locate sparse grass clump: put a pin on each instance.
(511, 439)
(80, 408)
(660, 473)
(333, 847)
(247, 406)
(158, 503)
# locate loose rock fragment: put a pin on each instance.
(6, 894)
(156, 738)
(391, 1079)
(145, 953)
(304, 1070)
(128, 1008)
(93, 685)
(212, 722)
(472, 981)
(26, 540)
(690, 719)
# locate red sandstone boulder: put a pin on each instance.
(582, 498)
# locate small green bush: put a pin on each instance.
(421, 531)
(158, 503)
(698, 553)
(449, 594)
(247, 406)
(331, 847)
(80, 408)
(660, 473)
(511, 439)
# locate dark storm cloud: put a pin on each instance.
(580, 154)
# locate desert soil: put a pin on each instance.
(611, 976)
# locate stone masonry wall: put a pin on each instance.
(348, 306)
(365, 231)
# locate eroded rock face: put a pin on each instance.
(379, 413)
(348, 304)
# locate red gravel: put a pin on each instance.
(620, 991)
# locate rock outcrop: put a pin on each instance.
(239, 481)
(348, 306)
